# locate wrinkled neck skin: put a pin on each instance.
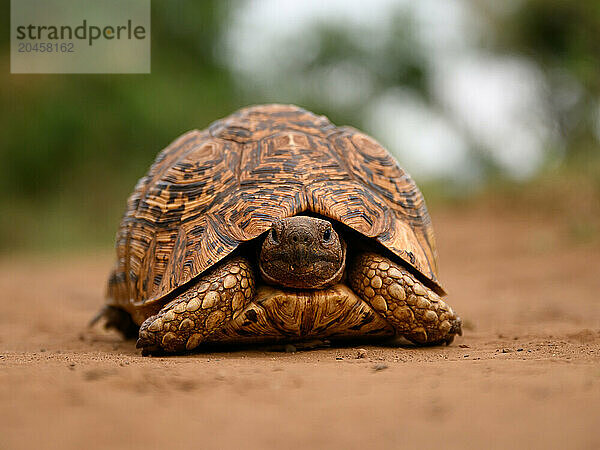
(302, 252)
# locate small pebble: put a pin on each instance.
(463, 346)
(339, 358)
(506, 350)
(378, 367)
(361, 353)
(220, 376)
(519, 349)
(465, 356)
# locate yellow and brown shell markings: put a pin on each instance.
(212, 190)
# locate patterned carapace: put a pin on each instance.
(211, 190)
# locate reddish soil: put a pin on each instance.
(526, 373)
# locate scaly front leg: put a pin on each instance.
(199, 311)
(414, 310)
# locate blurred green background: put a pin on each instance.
(488, 100)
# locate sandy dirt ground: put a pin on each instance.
(525, 374)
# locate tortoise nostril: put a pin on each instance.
(300, 237)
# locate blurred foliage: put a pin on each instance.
(563, 38)
(73, 146)
(398, 61)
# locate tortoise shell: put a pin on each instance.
(211, 190)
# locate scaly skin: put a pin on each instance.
(414, 310)
(201, 310)
(221, 297)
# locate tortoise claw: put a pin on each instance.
(147, 347)
(456, 329)
(149, 351)
(147, 343)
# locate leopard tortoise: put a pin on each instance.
(274, 225)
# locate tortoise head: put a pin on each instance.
(303, 253)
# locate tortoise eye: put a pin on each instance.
(327, 235)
